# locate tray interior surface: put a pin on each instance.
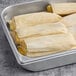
(30, 7)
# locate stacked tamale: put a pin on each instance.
(44, 33)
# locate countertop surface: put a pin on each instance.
(8, 64)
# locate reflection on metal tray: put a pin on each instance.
(40, 63)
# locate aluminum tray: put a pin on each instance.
(40, 63)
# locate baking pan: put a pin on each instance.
(40, 63)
